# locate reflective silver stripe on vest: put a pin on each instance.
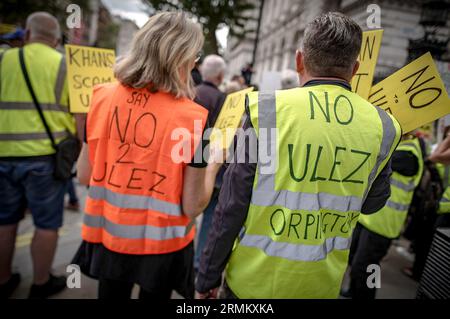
(265, 194)
(135, 231)
(406, 187)
(410, 144)
(389, 134)
(134, 201)
(306, 201)
(30, 136)
(30, 106)
(267, 119)
(445, 200)
(296, 252)
(60, 79)
(397, 206)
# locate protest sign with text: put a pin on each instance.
(368, 56)
(229, 118)
(415, 95)
(87, 67)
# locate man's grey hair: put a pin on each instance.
(43, 25)
(212, 66)
(289, 79)
(331, 45)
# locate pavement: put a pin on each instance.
(394, 285)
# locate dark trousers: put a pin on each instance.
(70, 187)
(113, 289)
(204, 229)
(226, 292)
(368, 248)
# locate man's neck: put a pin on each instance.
(212, 82)
(41, 41)
(306, 79)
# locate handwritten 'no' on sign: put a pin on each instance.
(415, 95)
(87, 67)
(229, 118)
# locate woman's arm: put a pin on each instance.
(198, 186)
(84, 168)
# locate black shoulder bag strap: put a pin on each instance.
(33, 96)
(1, 58)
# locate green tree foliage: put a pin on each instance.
(16, 12)
(212, 14)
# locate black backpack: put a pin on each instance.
(425, 202)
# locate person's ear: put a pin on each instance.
(55, 44)
(27, 35)
(355, 68)
(299, 62)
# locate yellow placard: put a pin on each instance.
(229, 118)
(87, 67)
(7, 28)
(368, 56)
(415, 95)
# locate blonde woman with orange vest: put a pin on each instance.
(138, 226)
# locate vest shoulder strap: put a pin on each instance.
(60, 80)
(1, 58)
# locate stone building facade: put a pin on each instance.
(283, 23)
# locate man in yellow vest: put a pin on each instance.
(26, 153)
(374, 233)
(443, 218)
(442, 153)
(285, 217)
(440, 157)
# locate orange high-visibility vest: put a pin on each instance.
(134, 200)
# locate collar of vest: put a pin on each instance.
(341, 83)
(210, 84)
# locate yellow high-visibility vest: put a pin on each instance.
(444, 204)
(313, 174)
(389, 221)
(22, 133)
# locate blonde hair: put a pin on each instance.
(162, 53)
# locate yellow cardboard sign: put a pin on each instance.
(415, 95)
(6, 28)
(229, 118)
(368, 56)
(87, 67)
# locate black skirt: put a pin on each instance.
(153, 273)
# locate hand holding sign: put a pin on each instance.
(229, 118)
(86, 67)
(415, 95)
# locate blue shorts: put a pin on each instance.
(30, 184)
